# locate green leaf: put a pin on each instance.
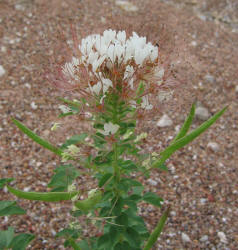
(4, 181)
(122, 246)
(44, 196)
(117, 203)
(153, 199)
(67, 233)
(21, 241)
(183, 131)
(65, 175)
(122, 219)
(127, 165)
(164, 155)
(84, 245)
(157, 231)
(75, 139)
(140, 89)
(71, 103)
(132, 237)
(65, 114)
(163, 167)
(36, 138)
(10, 208)
(73, 244)
(6, 237)
(104, 242)
(104, 179)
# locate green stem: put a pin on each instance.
(115, 165)
(157, 231)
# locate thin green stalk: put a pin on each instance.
(157, 231)
(115, 165)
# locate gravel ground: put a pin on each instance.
(201, 185)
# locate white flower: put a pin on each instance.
(103, 52)
(121, 36)
(70, 68)
(145, 103)
(106, 84)
(71, 151)
(159, 74)
(92, 192)
(64, 109)
(113, 45)
(110, 128)
(133, 103)
(55, 126)
(71, 188)
(129, 71)
(96, 88)
(141, 137)
(127, 134)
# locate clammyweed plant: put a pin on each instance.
(117, 80)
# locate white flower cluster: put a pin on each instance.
(71, 151)
(112, 46)
(110, 128)
(110, 49)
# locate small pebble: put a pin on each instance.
(3, 49)
(127, 6)
(34, 106)
(204, 238)
(27, 189)
(27, 85)
(173, 213)
(203, 201)
(236, 89)
(103, 19)
(222, 237)
(202, 113)
(152, 182)
(164, 121)
(19, 7)
(2, 71)
(209, 78)
(185, 238)
(213, 146)
(194, 43)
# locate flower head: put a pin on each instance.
(113, 62)
(110, 128)
(69, 153)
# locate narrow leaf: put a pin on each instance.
(66, 101)
(186, 139)
(132, 237)
(153, 199)
(38, 196)
(104, 179)
(6, 237)
(36, 138)
(74, 140)
(65, 174)
(4, 181)
(21, 241)
(183, 131)
(157, 231)
(10, 208)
